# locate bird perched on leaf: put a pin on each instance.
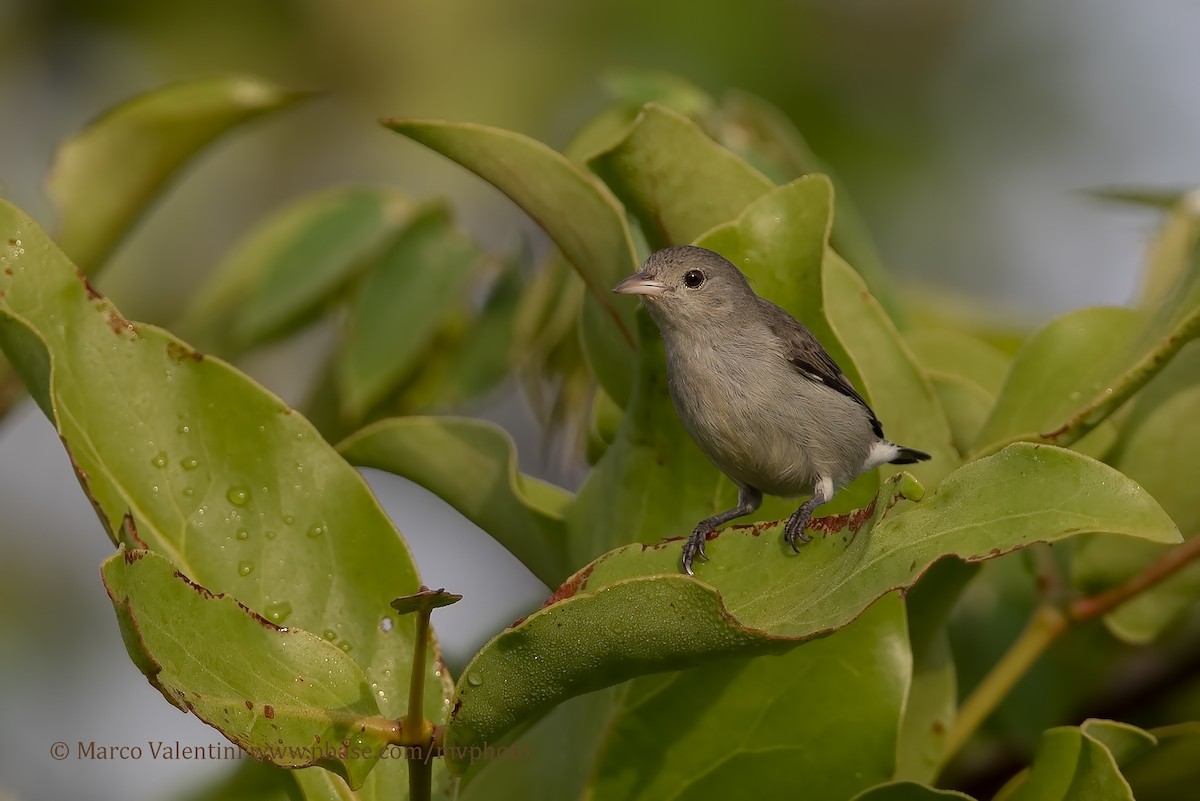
(756, 390)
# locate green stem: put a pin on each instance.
(418, 732)
(1046, 626)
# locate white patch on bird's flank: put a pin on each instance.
(824, 490)
(881, 452)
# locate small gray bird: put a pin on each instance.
(756, 390)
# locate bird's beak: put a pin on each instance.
(640, 284)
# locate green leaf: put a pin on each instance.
(480, 354)
(932, 701)
(576, 210)
(763, 135)
(286, 696)
(800, 725)
(551, 759)
(675, 180)
(631, 613)
(1059, 370)
(1079, 764)
(1174, 763)
(1079, 369)
(416, 283)
(221, 477)
(946, 352)
(908, 791)
(104, 177)
(1159, 447)
(287, 267)
(475, 471)
(965, 373)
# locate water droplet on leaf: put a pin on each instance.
(278, 612)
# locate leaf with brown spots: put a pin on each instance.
(213, 657)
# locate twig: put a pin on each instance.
(1171, 562)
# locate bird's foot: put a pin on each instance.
(695, 547)
(794, 530)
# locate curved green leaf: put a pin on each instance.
(630, 612)
(946, 352)
(478, 349)
(763, 135)
(1159, 448)
(1079, 369)
(284, 696)
(1080, 764)
(576, 210)
(282, 272)
(1158, 775)
(418, 281)
(965, 373)
(472, 465)
(675, 180)
(220, 476)
(770, 727)
(104, 177)
(1057, 372)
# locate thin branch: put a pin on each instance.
(1171, 562)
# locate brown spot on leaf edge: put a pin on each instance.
(568, 589)
(119, 324)
(91, 290)
(178, 353)
(268, 711)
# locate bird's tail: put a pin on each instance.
(908, 456)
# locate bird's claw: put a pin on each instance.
(795, 531)
(694, 547)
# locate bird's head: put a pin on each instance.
(687, 285)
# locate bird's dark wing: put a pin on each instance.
(810, 358)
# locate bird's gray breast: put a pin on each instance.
(759, 420)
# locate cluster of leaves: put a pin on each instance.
(829, 672)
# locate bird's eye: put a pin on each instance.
(693, 279)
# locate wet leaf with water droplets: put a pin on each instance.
(171, 627)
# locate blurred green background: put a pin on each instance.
(965, 131)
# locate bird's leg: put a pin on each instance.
(749, 499)
(794, 530)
